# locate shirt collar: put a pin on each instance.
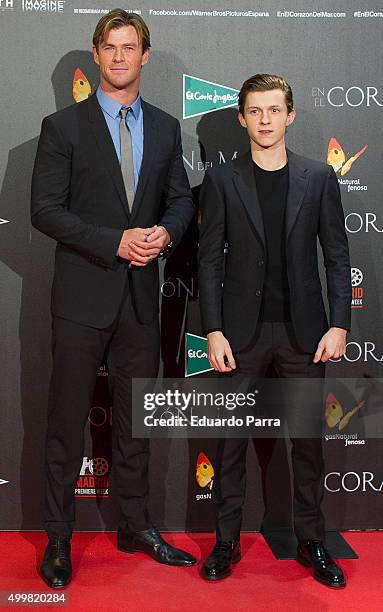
(112, 107)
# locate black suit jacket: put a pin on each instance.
(78, 198)
(231, 290)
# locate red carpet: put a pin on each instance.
(107, 580)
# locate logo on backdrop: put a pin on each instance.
(3, 482)
(352, 481)
(201, 97)
(193, 161)
(100, 416)
(43, 6)
(204, 475)
(337, 417)
(362, 222)
(196, 360)
(177, 287)
(93, 481)
(364, 351)
(102, 371)
(81, 88)
(6, 5)
(357, 290)
(336, 157)
(2, 221)
(353, 96)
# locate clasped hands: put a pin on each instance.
(141, 245)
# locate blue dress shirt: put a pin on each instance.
(111, 109)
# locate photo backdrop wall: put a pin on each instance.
(202, 52)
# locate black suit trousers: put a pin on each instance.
(132, 350)
(274, 345)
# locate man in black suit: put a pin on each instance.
(110, 186)
(263, 306)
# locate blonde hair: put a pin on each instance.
(118, 18)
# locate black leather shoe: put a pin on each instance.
(313, 553)
(219, 562)
(56, 567)
(152, 543)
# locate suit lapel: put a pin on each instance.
(150, 148)
(106, 146)
(244, 182)
(298, 181)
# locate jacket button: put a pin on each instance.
(258, 292)
(261, 263)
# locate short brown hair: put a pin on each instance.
(118, 18)
(265, 82)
